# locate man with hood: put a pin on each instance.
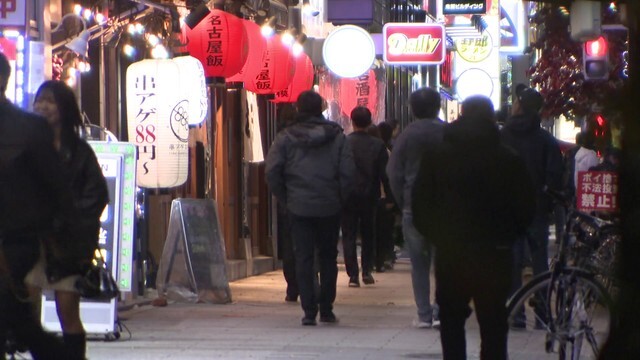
(403, 166)
(310, 169)
(543, 158)
(472, 198)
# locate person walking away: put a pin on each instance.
(286, 117)
(310, 168)
(472, 198)
(370, 158)
(542, 156)
(385, 213)
(34, 202)
(68, 258)
(402, 169)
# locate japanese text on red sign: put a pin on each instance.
(362, 90)
(214, 45)
(597, 191)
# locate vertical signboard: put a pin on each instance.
(117, 161)
(597, 191)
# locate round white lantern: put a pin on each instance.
(157, 123)
(193, 87)
(349, 51)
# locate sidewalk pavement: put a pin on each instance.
(375, 323)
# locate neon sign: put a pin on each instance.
(406, 43)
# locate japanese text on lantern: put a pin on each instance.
(145, 140)
(214, 45)
(363, 90)
(597, 191)
(263, 79)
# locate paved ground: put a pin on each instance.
(375, 323)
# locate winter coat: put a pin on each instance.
(370, 157)
(405, 158)
(34, 198)
(310, 167)
(74, 249)
(540, 152)
(471, 189)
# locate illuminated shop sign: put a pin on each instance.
(12, 12)
(406, 43)
(461, 7)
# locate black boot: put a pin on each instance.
(76, 344)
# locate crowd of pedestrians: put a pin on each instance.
(469, 195)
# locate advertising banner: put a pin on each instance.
(597, 191)
(410, 43)
(463, 7)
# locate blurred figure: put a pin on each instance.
(542, 156)
(358, 216)
(402, 170)
(67, 259)
(286, 117)
(386, 213)
(610, 161)
(310, 168)
(36, 203)
(472, 198)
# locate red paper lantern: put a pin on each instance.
(359, 91)
(220, 42)
(257, 47)
(274, 72)
(302, 81)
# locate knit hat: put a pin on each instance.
(530, 100)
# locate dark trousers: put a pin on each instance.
(385, 219)
(483, 275)
(16, 314)
(285, 248)
(311, 234)
(360, 216)
(537, 239)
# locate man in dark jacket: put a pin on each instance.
(402, 169)
(370, 157)
(471, 199)
(310, 169)
(543, 158)
(34, 202)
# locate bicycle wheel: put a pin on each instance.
(568, 319)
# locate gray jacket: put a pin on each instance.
(310, 167)
(404, 161)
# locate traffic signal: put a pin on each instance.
(596, 59)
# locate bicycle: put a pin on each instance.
(568, 304)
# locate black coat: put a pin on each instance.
(90, 195)
(310, 167)
(370, 157)
(471, 189)
(541, 154)
(34, 198)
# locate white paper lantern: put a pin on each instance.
(157, 123)
(193, 85)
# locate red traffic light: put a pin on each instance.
(596, 47)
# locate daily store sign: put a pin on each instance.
(420, 44)
(12, 12)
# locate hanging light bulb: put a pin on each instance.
(297, 49)
(87, 14)
(131, 29)
(288, 39)
(268, 29)
(129, 50)
(100, 18)
(77, 9)
(153, 40)
(159, 52)
(139, 28)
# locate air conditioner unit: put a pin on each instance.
(585, 20)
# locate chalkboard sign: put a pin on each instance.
(193, 267)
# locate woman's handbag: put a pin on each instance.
(98, 282)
